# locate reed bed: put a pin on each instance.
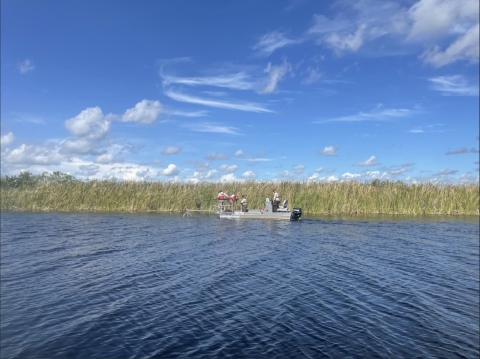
(314, 198)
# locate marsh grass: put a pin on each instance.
(314, 198)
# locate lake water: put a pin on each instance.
(90, 285)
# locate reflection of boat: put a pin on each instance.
(226, 210)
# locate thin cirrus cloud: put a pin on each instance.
(235, 81)
(372, 161)
(462, 150)
(375, 115)
(272, 41)
(212, 127)
(238, 106)
(455, 85)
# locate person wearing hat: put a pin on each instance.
(275, 201)
(243, 202)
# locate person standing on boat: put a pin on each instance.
(243, 202)
(220, 198)
(275, 201)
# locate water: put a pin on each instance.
(82, 285)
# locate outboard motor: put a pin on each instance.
(296, 214)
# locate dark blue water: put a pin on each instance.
(163, 286)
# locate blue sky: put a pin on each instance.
(232, 91)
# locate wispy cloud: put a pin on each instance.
(462, 150)
(378, 115)
(235, 81)
(272, 41)
(275, 75)
(372, 161)
(212, 127)
(248, 107)
(456, 85)
(329, 151)
(189, 114)
(26, 66)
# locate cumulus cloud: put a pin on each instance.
(7, 139)
(173, 150)
(299, 168)
(171, 170)
(275, 75)
(328, 151)
(239, 154)
(26, 66)
(229, 178)
(145, 112)
(90, 123)
(455, 85)
(31, 154)
(372, 161)
(216, 156)
(462, 150)
(249, 176)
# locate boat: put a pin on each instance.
(225, 210)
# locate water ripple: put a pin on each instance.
(149, 286)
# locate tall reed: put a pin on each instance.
(314, 198)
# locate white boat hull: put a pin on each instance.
(255, 214)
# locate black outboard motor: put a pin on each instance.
(296, 214)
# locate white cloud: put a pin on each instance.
(328, 151)
(211, 127)
(189, 114)
(374, 115)
(466, 47)
(350, 176)
(90, 123)
(145, 112)
(248, 107)
(7, 139)
(26, 66)
(171, 170)
(417, 130)
(239, 153)
(31, 154)
(229, 178)
(275, 75)
(349, 42)
(319, 170)
(249, 175)
(216, 156)
(272, 41)
(372, 161)
(227, 168)
(105, 158)
(235, 81)
(173, 150)
(455, 85)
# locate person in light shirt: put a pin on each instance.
(243, 202)
(275, 201)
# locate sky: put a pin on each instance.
(274, 90)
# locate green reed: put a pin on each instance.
(314, 198)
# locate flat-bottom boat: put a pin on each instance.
(225, 211)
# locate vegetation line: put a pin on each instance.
(62, 192)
